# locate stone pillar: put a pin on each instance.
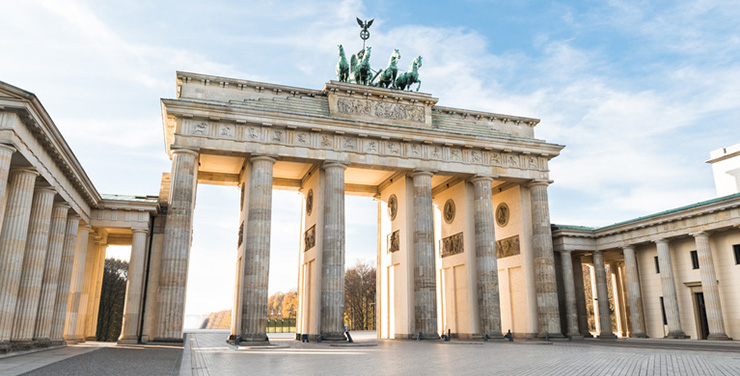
(87, 280)
(566, 261)
(332, 254)
(602, 295)
(6, 154)
(76, 282)
(32, 274)
(256, 257)
(544, 262)
(670, 298)
(709, 287)
(96, 285)
(13, 245)
(61, 300)
(176, 248)
(580, 296)
(489, 308)
(634, 293)
(50, 280)
(425, 280)
(134, 288)
(619, 309)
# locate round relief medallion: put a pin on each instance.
(449, 211)
(309, 202)
(502, 214)
(392, 207)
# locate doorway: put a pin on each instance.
(701, 312)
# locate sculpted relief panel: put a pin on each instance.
(382, 110)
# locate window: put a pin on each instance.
(694, 260)
(736, 247)
(657, 266)
(662, 309)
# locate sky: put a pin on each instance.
(639, 93)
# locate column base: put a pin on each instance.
(167, 341)
(607, 336)
(719, 337)
(4, 347)
(677, 335)
(128, 340)
(575, 337)
(41, 343)
(639, 335)
(80, 339)
(57, 342)
(333, 337)
(91, 338)
(21, 345)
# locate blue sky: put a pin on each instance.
(639, 92)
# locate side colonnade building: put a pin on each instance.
(55, 228)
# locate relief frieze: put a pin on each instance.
(309, 238)
(394, 241)
(451, 245)
(383, 110)
(507, 247)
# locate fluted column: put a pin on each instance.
(176, 248)
(425, 289)
(634, 293)
(6, 154)
(332, 254)
(670, 298)
(13, 245)
(602, 296)
(134, 288)
(256, 256)
(50, 280)
(87, 283)
(33, 268)
(61, 300)
(580, 296)
(566, 262)
(709, 287)
(489, 308)
(96, 285)
(544, 262)
(76, 282)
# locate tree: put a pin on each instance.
(112, 298)
(359, 296)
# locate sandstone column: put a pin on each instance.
(96, 286)
(332, 254)
(85, 292)
(33, 268)
(566, 262)
(670, 298)
(50, 278)
(709, 287)
(76, 282)
(544, 262)
(580, 296)
(13, 245)
(6, 153)
(634, 293)
(485, 255)
(256, 257)
(602, 295)
(176, 248)
(134, 286)
(61, 300)
(425, 280)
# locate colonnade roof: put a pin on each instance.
(40, 124)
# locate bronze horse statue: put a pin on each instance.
(342, 66)
(411, 77)
(387, 77)
(361, 67)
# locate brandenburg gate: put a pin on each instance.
(464, 239)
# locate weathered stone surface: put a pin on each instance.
(63, 291)
(134, 288)
(709, 288)
(332, 264)
(602, 296)
(489, 308)
(425, 290)
(670, 298)
(637, 313)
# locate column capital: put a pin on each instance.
(73, 216)
(85, 226)
(486, 178)
(660, 241)
(185, 150)
(421, 172)
(566, 251)
(45, 189)
(24, 170)
(61, 204)
(699, 234)
(629, 246)
(8, 147)
(262, 157)
(140, 230)
(334, 164)
(539, 182)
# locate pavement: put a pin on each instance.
(205, 352)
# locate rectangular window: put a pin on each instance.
(662, 309)
(694, 260)
(657, 266)
(736, 247)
